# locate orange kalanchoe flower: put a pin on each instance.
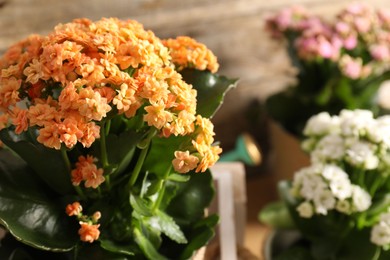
(73, 209)
(89, 232)
(86, 170)
(85, 72)
(187, 52)
(184, 162)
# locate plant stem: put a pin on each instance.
(108, 182)
(141, 158)
(103, 148)
(107, 128)
(374, 187)
(65, 158)
(377, 253)
(68, 166)
(162, 191)
(362, 179)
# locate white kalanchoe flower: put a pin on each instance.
(309, 144)
(363, 155)
(339, 182)
(360, 198)
(379, 131)
(355, 122)
(312, 185)
(380, 233)
(321, 124)
(324, 201)
(329, 148)
(327, 187)
(305, 210)
(344, 206)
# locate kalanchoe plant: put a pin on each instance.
(340, 203)
(340, 63)
(107, 143)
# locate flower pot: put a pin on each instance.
(286, 155)
(278, 241)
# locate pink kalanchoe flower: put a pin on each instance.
(350, 67)
(384, 17)
(380, 52)
(325, 48)
(342, 28)
(357, 8)
(350, 42)
(363, 24)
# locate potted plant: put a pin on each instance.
(107, 141)
(338, 205)
(340, 63)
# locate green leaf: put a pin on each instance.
(357, 245)
(209, 221)
(146, 246)
(140, 205)
(276, 215)
(178, 177)
(13, 249)
(29, 212)
(161, 154)
(211, 89)
(170, 228)
(192, 198)
(291, 110)
(120, 148)
(47, 163)
(109, 245)
(96, 252)
(199, 239)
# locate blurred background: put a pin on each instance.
(233, 30)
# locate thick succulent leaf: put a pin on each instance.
(211, 89)
(110, 245)
(170, 228)
(192, 197)
(290, 110)
(178, 177)
(199, 239)
(140, 206)
(146, 246)
(161, 154)
(96, 252)
(356, 245)
(12, 249)
(46, 163)
(276, 215)
(29, 212)
(120, 148)
(200, 235)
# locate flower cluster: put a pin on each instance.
(352, 137)
(107, 115)
(356, 28)
(380, 234)
(341, 199)
(89, 230)
(328, 187)
(341, 63)
(67, 85)
(350, 161)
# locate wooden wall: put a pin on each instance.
(233, 29)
